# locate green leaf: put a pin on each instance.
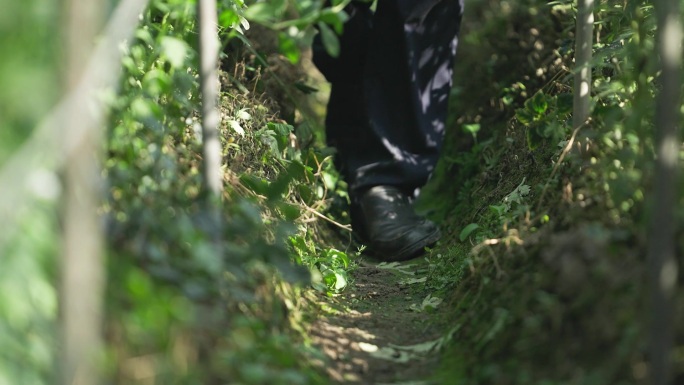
(289, 48)
(261, 13)
(465, 233)
(305, 88)
(156, 82)
(281, 185)
(229, 18)
(524, 116)
(534, 139)
(290, 211)
(280, 128)
(243, 114)
(299, 244)
(175, 50)
(329, 180)
(298, 171)
(268, 138)
(335, 19)
(144, 35)
(306, 193)
(554, 131)
(538, 103)
(429, 303)
(256, 184)
(281, 133)
(336, 257)
(235, 125)
(145, 110)
(330, 40)
(471, 128)
(498, 209)
(279, 6)
(564, 103)
(340, 281)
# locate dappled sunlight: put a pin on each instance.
(385, 329)
(343, 344)
(669, 151)
(536, 258)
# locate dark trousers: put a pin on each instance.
(390, 85)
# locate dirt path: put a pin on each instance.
(385, 335)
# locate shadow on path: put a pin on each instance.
(385, 335)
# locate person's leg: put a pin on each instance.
(386, 113)
(407, 80)
(347, 124)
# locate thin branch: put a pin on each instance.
(316, 213)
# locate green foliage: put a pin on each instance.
(543, 269)
(179, 313)
(28, 297)
(29, 80)
(545, 117)
(331, 265)
(330, 40)
(472, 129)
(469, 229)
(158, 225)
(295, 21)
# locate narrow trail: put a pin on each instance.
(383, 333)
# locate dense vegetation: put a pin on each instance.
(542, 267)
(555, 290)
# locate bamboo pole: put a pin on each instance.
(583, 53)
(211, 118)
(82, 263)
(209, 55)
(661, 244)
(78, 121)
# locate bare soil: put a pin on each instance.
(381, 336)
